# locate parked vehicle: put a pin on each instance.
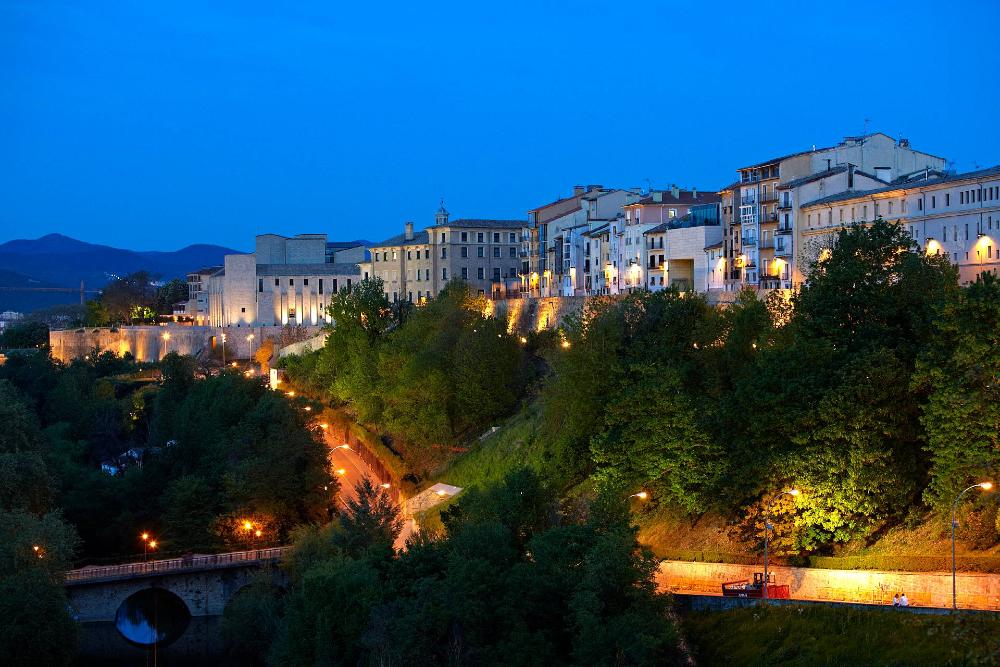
(755, 589)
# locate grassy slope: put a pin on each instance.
(841, 636)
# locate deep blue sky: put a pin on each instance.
(153, 125)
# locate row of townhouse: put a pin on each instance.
(763, 231)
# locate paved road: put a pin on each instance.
(354, 468)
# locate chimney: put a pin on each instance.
(579, 190)
(409, 231)
(850, 176)
(658, 196)
(675, 192)
(591, 188)
(694, 193)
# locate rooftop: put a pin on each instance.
(419, 238)
(347, 244)
(937, 180)
(684, 197)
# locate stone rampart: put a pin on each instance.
(924, 589)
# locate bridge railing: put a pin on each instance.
(209, 561)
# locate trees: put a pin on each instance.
(24, 335)
(960, 373)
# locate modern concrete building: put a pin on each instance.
(285, 281)
(657, 210)
(196, 307)
(955, 215)
(760, 211)
(682, 252)
(416, 265)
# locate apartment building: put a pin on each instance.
(761, 210)
(285, 281)
(484, 253)
(554, 241)
(196, 307)
(682, 252)
(954, 215)
(630, 266)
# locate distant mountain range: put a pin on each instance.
(55, 260)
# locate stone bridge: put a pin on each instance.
(204, 584)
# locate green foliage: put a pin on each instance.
(510, 583)
(961, 373)
(24, 335)
(371, 523)
(821, 635)
(34, 552)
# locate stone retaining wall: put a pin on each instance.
(924, 589)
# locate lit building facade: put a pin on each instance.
(954, 215)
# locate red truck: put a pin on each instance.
(755, 589)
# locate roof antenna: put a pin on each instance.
(865, 133)
(649, 186)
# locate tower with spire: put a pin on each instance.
(441, 217)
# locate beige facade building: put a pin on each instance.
(416, 265)
(285, 281)
(955, 215)
(761, 211)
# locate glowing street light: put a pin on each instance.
(324, 426)
(345, 446)
(386, 485)
(223, 349)
(341, 471)
(767, 527)
(642, 495)
(147, 544)
(985, 486)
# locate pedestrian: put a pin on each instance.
(895, 600)
(903, 601)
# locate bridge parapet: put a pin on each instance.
(185, 564)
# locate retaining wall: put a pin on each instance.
(924, 589)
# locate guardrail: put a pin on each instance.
(181, 564)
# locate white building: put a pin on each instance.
(955, 215)
(285, 281)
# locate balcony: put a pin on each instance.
(734, 274)
(785, 205)
(768, 197)
(768, 243)
(784, 228)
(748, 240)
(770, 282)
(782, 250)
(750, 200)
(770, 217)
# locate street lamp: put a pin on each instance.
(642, 495)
(250, 340)
(223, 349)
(166, 341)
(145, 545)
(985, 486)
(767, 527)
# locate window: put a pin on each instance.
(465, 237)
(409, 296)
(243, 310)
(320, 285)
(513, 272)
(890, 208)
(672, 213)
(291, 282)
(443, 237)
(920, 204)
(444, 274)
(275, 282)
(394, 255)
(479, 237)
(496, 251)
(260, 284)
(864, 212)
(933, 201)
(512, 238)
(480, 273)
(513, 252)
(465, 273)
(305, 282)
(409, 254)
(465, 251)
(496, 274)
(496, 237)
(427, 274)
(418, 275)
(444, 252)
(335, 284)
(947, 199)
(480, 251)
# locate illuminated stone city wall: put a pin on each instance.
(924, 589)
(526, 315)
(148, 343)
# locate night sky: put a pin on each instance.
(157, 125)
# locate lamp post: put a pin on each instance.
(250, 340)
(145, 543)
(223, 349)
(166, 342)
(642, 495)
(985, 486)
(768, 527)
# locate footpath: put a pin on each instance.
(924, 589)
